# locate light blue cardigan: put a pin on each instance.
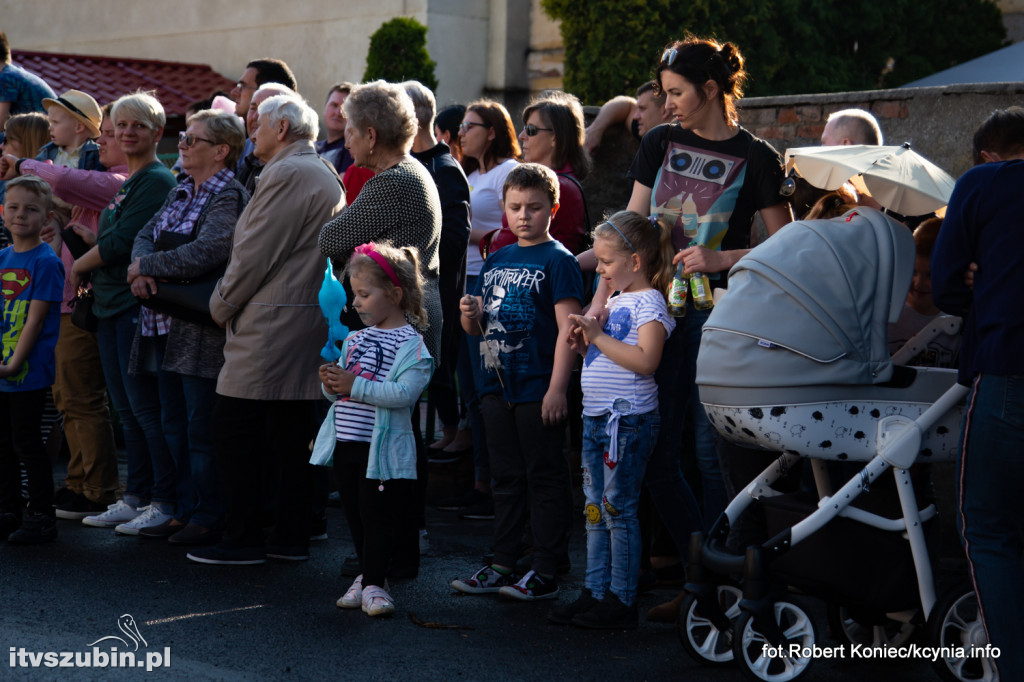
(392, 443)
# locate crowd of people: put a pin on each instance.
(462, 247)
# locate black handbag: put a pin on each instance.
(189, 298)
(82, 315)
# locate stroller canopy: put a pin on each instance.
(810, 306)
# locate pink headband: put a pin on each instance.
(370, 250)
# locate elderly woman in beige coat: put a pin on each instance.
(267, 300)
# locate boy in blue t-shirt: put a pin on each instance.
(32, 283)
(525, 294)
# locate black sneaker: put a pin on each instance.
(350, 567)
(563, 615)
(9, 523)
(219, 555)
(287, 553)
(532, 587)
(35, 530)
(481, 511)
(64, 495)
(457, 502)
(77, 507)
(609, 614)
(487, 580)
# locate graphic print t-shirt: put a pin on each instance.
(519, 287)
(708, 190)
(371, 353)
(605, 383)
(34, 275)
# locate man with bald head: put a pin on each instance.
(851, 126)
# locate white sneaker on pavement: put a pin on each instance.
(353, 598)
(377, 602)
(151, 516)
(116, 514)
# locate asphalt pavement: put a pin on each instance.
(279, 621)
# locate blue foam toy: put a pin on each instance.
(332, 302)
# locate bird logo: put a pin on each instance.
(126, 623)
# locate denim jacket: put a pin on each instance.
(89, 159)
(393, 443)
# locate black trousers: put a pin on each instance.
(21, 443)
(529, 468)
(379, 515)
(258, 441)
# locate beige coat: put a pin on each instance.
(268, 297)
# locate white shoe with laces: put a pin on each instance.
(116, 514)
(151, 516)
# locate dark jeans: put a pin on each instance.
(991, 511)
(529, 468)
(21, 443)
(201, 496)
(137, 398)
(254, 438)
(378, 520)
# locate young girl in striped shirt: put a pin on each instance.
(620, 412)
(375, 385)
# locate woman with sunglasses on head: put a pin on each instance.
(190, 236)
(553, 136)
(706, 176)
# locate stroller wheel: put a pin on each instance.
(849, 628)
(699, 636)
(753, 651)
(955, 622)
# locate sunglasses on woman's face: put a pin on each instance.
(531, 130)
(466, 126)
(187, 140)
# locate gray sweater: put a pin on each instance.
(193, 349)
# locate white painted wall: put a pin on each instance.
(323, 41)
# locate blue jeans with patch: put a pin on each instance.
(991, 511)
(612, 498)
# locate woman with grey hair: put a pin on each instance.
(190, 237)
(400, 205)
(149, 495)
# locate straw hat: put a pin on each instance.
(81, 106)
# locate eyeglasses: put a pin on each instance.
(242, 86)
(669, 56)
(466, 126)
(531, 130)
(187, 140)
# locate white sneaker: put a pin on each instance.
(377, 602)
(151, 516)
(117, 513)
(353, 599)
(424, 542)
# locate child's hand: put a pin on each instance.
(470, 307)
(554, 408)
(7, 370)
(576, 340)
(589, 326)
(337, 380)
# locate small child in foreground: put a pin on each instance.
(383, 370)
(33, 281)
(525, 295)
(620, 413)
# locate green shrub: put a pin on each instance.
(398, 52)
(791, 46)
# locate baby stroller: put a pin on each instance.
(794, 361)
